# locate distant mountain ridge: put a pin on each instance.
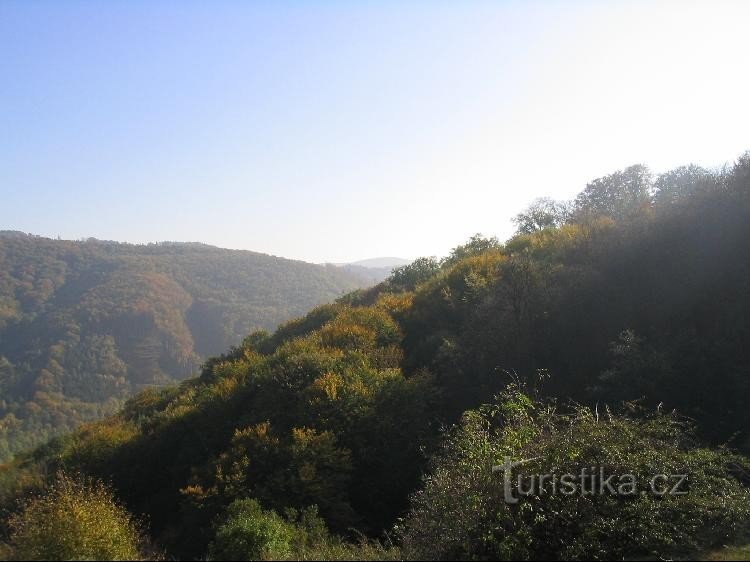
(382, 262)
(374, 270)
(84, 324)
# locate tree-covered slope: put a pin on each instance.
(83, 325)
(610, 332)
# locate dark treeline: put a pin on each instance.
(638, 290)
(84, 325)
(609, 331)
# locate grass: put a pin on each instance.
(728, 553)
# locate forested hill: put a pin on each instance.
(609, 332)
(85, 324)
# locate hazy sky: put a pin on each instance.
(335, 131)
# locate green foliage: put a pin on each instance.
(251, 533)
(407, 277)
(462, 511)
(324, 416)
(84, 325)
(636, 370)
(620, 195)
(248, 532)
(727, 553)
(476, 245)
(679, 185)
(308, 467)
(640, 295)
(543, 213)
(560, 298)
(74, 521)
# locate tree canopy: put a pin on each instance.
(84, 325)
(616, 339)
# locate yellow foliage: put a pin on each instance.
(347, 336)
(259, 433)
(327, 386)
(96, 442)
(74, 520)
(393, 303)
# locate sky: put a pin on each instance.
(337, 131)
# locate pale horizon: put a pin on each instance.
(331, 132)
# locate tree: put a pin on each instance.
(476, 245)
(676, 185)
(542, 213)
(637, 371)
(407, 277)
(619, 195)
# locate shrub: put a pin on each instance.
(249, 532)
(74, 520)
(461, 512)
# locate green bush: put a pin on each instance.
(249, 532)
(462, 511)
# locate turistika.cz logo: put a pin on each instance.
(590, 481)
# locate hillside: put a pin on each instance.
(83, 325)
(609, 332)
(373, 274)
